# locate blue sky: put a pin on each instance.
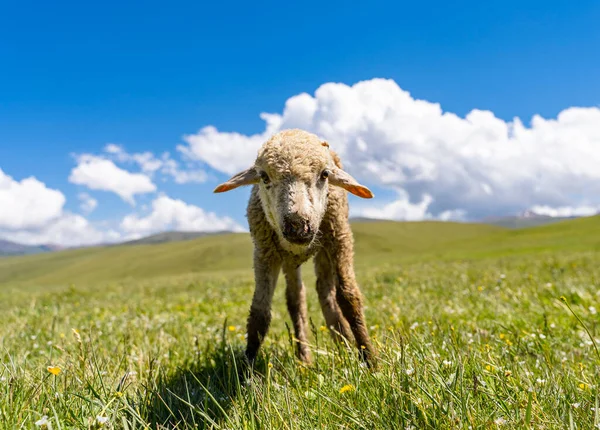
(76, 76)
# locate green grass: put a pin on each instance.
(468, 321)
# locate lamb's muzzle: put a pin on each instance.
(296, 229)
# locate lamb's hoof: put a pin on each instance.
(369, 358)
(305, 357)
(248, 360)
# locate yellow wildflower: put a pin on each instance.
(55, 370)
(231, 328)
(348, 387)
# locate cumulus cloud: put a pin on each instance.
(34, 214)
(150, 164)
(67, 230)
(87, 203)
(468, 167)
(172, 214)
(566, 211)
(402, 208)
(98, 173)
(228, 152)
(171, 168)
(27, 203)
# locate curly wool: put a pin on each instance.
(299, 154)
(293, 152)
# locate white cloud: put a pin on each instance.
(88, 203)
(401, 208)
(99, 173)
(33, 214)
(470, 167)
(27, 203)
(228, 152)
(172, 214)
(171, 168)
(566, 211)
(113, 148)
(150, 164)
(66, 230)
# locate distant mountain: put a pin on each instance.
(523, 220)
(365, 219)
(170, 236)
(12, 248)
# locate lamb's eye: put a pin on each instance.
(324, 174)
(265, 177)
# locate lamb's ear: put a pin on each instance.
(245, 177)
(342, 179)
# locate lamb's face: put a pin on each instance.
(295, 201)
(294, 170)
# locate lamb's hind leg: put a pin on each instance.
(326, 289)
(295, 295)
(350, 300)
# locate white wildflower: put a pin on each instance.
(101, 420)
(44, 423)
(410, 371)
(414, 325)
(592, 310)
(447, 363)
(500, 421)
(542, 336)
(310, 394)
(540, 381)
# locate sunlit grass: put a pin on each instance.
(462, 344)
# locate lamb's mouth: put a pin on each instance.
(304, 240)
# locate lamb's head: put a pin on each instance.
(294, 169)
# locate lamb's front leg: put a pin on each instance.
(295, 295)
(266, 272)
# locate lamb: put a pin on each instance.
(298, 209)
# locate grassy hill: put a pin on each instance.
(375, 242)
(169, 236)
(470, 322)
(380, 243)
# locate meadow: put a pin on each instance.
(476, 327)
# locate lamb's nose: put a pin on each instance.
(296, 227)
